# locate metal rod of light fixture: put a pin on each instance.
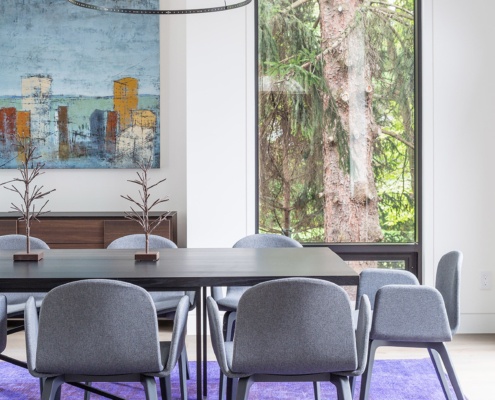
(160, 12)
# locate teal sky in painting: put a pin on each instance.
(83, 50)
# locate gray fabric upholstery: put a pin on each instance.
(165, 302)
(176, 345)
(138, 241)
(3, 323)
(410, 313)
(220, 348)
(292, 327)
(447, 282)
(419, 316)
(231, 299)
(278, 315)
(362, 334)
(109, 327)
(101, 330)
(372, 279)
(31, 336)
(262, 240)
(18, 242)
(17, 301)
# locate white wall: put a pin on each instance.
(458, 147)
(220, 127)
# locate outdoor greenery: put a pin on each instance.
(336, 120)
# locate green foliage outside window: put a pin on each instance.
(336, 120)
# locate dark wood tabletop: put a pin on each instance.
(176, 268)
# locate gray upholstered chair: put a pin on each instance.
(372, 279)
(101, 330)
(419, 316)
(16, 301)
(229, 301)
(293, 329)
(165, 302)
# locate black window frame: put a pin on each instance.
(410, 253)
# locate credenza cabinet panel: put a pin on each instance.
(70, 231)
(85, 230)
(8, 227)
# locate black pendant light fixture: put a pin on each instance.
(93, 5)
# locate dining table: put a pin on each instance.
(194, 269)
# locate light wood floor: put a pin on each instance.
(473, 357)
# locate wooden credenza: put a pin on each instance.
(84, 230)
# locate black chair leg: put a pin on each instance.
(149, 386)
(342, 385)
(317, 391)
(183, 376)
(366, 377)
(165, 388)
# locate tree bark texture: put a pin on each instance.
(351, 209)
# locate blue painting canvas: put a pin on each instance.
(82, 85)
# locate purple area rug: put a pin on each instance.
(392, 380)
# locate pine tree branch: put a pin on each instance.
(396, 136)
(388, 6)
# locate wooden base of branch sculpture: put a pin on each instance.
(33, 256)
(152, 256)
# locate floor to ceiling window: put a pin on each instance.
(338, 124)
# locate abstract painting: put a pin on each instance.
(82, 85)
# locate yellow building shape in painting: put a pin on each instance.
(125, 100)
(144, 119)
(23, 130)
(23, 124)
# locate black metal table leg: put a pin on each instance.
(205, 349)
(199, 366)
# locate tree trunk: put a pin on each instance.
(28, 234)
(351, 210)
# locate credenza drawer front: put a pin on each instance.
(69, 231)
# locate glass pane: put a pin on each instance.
(336, 120)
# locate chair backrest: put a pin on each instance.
(256, 241)
(410, 313)
(261, 240)
(3, 323)
(179, 332)
(97, 327)
(294, 326)
(138, 241)
(447, 282)
(18, 242)
(372, 279)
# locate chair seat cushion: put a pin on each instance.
(166, 301)
(231, 299)
(19, 304)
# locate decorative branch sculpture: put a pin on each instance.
(141, 215)
(27, 208)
